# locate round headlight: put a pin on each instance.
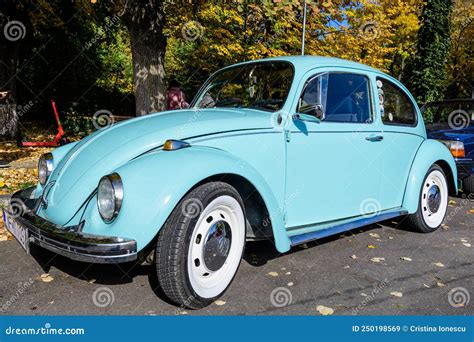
(45, 167)
(109, 196)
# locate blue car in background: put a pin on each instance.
(452, 123)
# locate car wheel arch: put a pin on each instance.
(259, 225)
(429, 153)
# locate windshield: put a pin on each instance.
(260, 85)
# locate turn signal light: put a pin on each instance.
(172, 145)
(456, 147)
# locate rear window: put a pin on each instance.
(396, 108)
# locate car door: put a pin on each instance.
(403, 134)
(333, 166)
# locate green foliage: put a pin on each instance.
(79, 52)
(428, 80)
(76, 124)
(460, 63)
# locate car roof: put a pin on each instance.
(305, 63)
(450, 101)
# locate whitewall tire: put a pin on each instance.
(433, 202)
(200, 247)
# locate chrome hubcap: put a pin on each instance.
(434, 198)
(217, 245)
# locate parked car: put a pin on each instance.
(290, 149)
(452, 123)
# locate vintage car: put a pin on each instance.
(290, 149)
(452, 123)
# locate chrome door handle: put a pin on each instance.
(374, 138)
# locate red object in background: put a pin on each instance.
(57, 140)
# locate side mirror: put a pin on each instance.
(315, 110)
(306, 118)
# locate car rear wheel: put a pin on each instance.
(433, 202)
(200, 247)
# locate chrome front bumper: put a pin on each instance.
(69, 241)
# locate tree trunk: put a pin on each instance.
(145, 21)
(9, 55)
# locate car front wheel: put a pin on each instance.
(200, 246)
(433, 202)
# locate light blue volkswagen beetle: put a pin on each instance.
(290, 149)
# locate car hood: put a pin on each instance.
(77, 174)
(444, 131)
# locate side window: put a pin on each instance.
(338, 97)
(396, 107)
(313, 98)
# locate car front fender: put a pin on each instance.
(155, 183)
(429, 153)
(58, 154)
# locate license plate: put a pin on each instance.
(18, 231)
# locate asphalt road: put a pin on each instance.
(338, 273)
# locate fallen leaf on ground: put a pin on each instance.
(406, 258)
(347, 266)
(396, 294)
(377, 259)
(371, 246)
(283, 268)
(288, 273)
(466, 244)
(471, 211)
(290, 283)
(219, 302)
(451, 202)
(92, 281)
(464, 240)
(354, 256)
(439, 264)
(273, 274)
(324, 310)
(440, 284)
(390, 237)
(375, 235)
(46, 278)
(427, 286)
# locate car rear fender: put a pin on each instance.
(430, 152)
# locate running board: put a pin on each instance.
(340, 228)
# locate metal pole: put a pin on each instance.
(304, 28)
